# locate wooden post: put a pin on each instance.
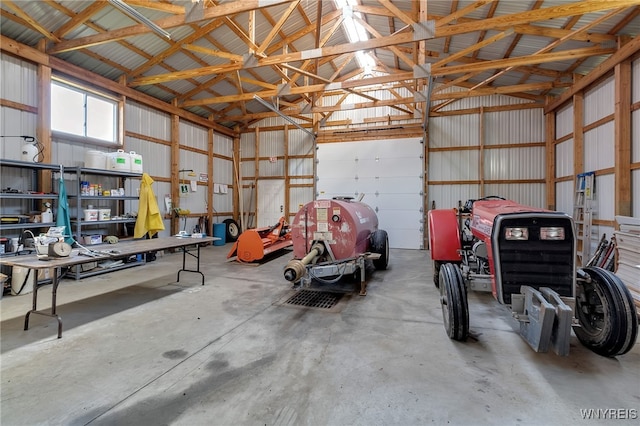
(622, 117)
(578, 134)
(210, 206)
(481, 153)
(175, 175)
(550, 138)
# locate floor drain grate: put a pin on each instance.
(314, 299)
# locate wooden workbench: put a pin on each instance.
(189, 246)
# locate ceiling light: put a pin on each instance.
(137, 16)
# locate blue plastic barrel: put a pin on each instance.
(220, 231)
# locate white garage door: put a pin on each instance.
(388, 172)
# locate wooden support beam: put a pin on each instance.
(550, 134)
(220, 11)
(622, 114)
(284, 58)
(578, 134)
(626, 51)
(175, 176)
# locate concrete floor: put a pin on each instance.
(140, 349)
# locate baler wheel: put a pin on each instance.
(436, 272)
(380, 245)
(607, 316)
(453, 299)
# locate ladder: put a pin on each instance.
(583, 214)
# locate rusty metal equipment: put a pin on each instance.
(254, 244)
(333, 238)
(526, 257)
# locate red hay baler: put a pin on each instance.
(333, 238)
(526, 257)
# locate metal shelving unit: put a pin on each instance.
(17, 201)
(22, 200)
(82, 226)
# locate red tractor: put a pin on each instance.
(526, 257)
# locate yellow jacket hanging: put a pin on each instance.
(149, 217)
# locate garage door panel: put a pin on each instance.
(400, 185)
(394, 167)
(332, 187)
(368, 186)
(337, 151)
(399, 148)
(392, 201)
(389, 167)
(402, 219)
(339, 168)
(388, 173)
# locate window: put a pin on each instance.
(83, 113)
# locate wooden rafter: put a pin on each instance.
(221, 11)
(223, 74)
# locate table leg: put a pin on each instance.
(54, 291)
(186, 252)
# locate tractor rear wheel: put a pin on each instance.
(453, 299)
(607, 316)
(380, 245)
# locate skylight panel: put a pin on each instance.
(355, 31)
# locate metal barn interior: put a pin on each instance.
(242, 113)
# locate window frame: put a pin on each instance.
(86, 91)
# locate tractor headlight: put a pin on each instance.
(554, 233)
(516, 233)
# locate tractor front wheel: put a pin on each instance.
(607, 316)
(453, 299)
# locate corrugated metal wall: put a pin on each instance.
(366, 117)
(301, 170)
(459, 169)
(193, 162)
(599, 155)
(223, 172)
(17, 85)
(564, 121)
(295, 165)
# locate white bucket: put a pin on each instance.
(91, 215)
(136, 162)
(95, 159)
(22, 280)
(119, 160)
(104, 214)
